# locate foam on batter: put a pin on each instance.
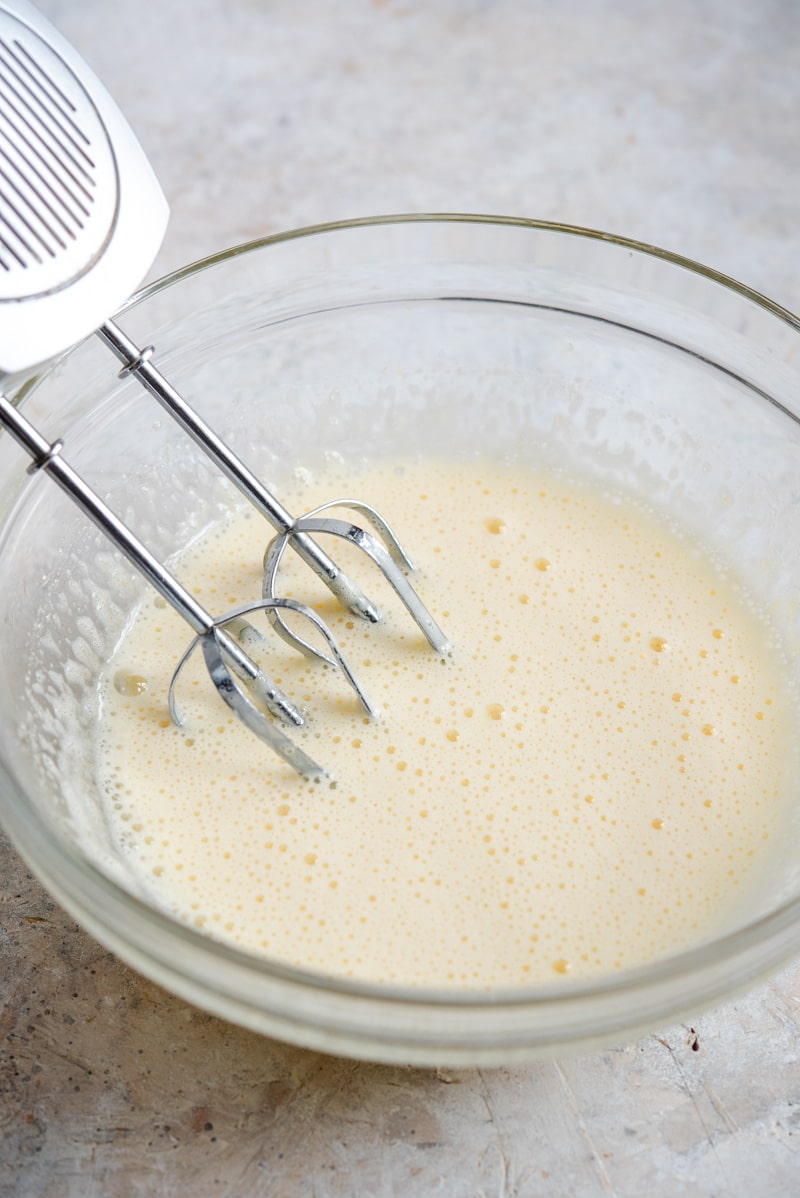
(595, 778)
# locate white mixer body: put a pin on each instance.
(82, 215)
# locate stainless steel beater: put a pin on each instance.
(81, 218)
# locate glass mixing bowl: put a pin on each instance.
(565, 346)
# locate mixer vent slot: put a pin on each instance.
(48, 178)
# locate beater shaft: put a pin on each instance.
(138, 362)
(219, 646)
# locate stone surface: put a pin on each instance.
(675, 124)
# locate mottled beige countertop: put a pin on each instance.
(675, 124)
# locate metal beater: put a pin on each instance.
(81, 218)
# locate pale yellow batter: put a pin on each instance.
(595, 778)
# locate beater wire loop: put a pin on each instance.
(384, 550)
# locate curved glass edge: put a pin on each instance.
(698, 976)
(392, 219)
(578, 231)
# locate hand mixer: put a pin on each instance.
(81, 219)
